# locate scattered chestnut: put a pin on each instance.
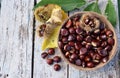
(57, 67)
(57, 59)
(51, 51)
(49, 61)
(44, 55)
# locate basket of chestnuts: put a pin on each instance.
(87, 41)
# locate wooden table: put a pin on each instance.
(20, 48)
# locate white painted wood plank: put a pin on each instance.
(41, 68)
(16, 26)
(111, 70)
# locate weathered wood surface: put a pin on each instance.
(16, 29)
(20, 48)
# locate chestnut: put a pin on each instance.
(60, 44)
(88, 46)
(64, 32)
(72, 30)
(44, 55)
(57, 67)
(86, 21)
(57, 59)
(83, 50)
(67, 54)
(69, 23)
(71, 43)
(88, 39)
(109, 33)
(111, 41)
(103, 52)
(105, 59)
(79, 37)
(67, 47)
(64, 40)
(51, 51)
(71, 37)
(97, 31)
(77, 46)
(74, 56)
(81, 57)
(90, 64)
(108, 48)
(95, 43)
(104, 44)
(78, 62)
(103, 37)
(87, 58)
(49, 61)
(79, 31)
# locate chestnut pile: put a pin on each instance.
(86, 47)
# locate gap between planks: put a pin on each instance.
(33, 44)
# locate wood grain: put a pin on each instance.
(17, 46)
(16, 28)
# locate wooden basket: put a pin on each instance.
(113, 51)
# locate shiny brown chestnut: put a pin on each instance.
(57, 67)
(51, 51)
(49, 61)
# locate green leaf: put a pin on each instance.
(93, 7)
(67, 5)
(111, 13)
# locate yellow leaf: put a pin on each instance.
(51, 42)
